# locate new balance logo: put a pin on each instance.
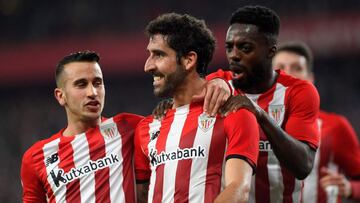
(51, 159)
(179, 154)
(59, 177)
(154, 135)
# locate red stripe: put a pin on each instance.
(262, 185)
(289, 185)
(66, 155)
(160, 146)
(183, 171)
(127, 142)
(97, 151)
(215, 161)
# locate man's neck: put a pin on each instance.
(267, 82)
(77, 127)
(192, 85)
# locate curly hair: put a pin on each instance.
(185, 33)
(81, 56)
(299, 48)
(267, 21)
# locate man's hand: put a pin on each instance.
(334, 178)
(240, 101)
(162, 107)
(215, 94)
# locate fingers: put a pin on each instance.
(217, 92)
(222, 98)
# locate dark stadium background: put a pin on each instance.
(34, 35)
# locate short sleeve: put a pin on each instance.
(33, 189)
(242, 131)
(303, 113)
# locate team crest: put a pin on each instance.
(205, 122)
(109, 131)
(277, 113)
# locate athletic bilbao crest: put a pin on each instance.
(277, 113)
(206, 122)
(109, 131)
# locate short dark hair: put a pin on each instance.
(299, 48)
(267, 21)
(81, 56)
(185, 33)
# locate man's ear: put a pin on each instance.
(272, 51)
(190, 60)
(60, 96)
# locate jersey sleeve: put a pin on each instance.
(303, 112)
(142, 163)
(346, 148)
(33, 189)
(242, 131)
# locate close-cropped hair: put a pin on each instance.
(301, 49)
(81, 56)
(184, 33)
(267, 21)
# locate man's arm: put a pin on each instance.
(296, 156)
(33, 190)
(142, 192)
(237, 182)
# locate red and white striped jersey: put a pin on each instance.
(183, 155)
(294, 105)
(95, 166)
(339, 151)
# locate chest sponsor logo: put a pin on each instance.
(277, 113)
(205, 122)
(179, 154)
(61, 178)
(265, 146)
(109, 131)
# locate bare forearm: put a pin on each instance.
(234, 193)
(295, 155)
(142, 192)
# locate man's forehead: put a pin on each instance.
(81, 69)
(241, 29)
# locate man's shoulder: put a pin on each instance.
(127, 119)
(37, 147)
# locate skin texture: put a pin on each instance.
(296, 65)
(161, 63)
(249, 55)
(82, 93)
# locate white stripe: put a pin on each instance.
(154, 127)
(275, 178)
(81, 157)
(113, 146)
(199, 166)
(252, 194)
(311, 182)
(274, 170)
(49, 149)
(172, 142)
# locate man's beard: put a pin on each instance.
(251, 81)
(172, 82)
